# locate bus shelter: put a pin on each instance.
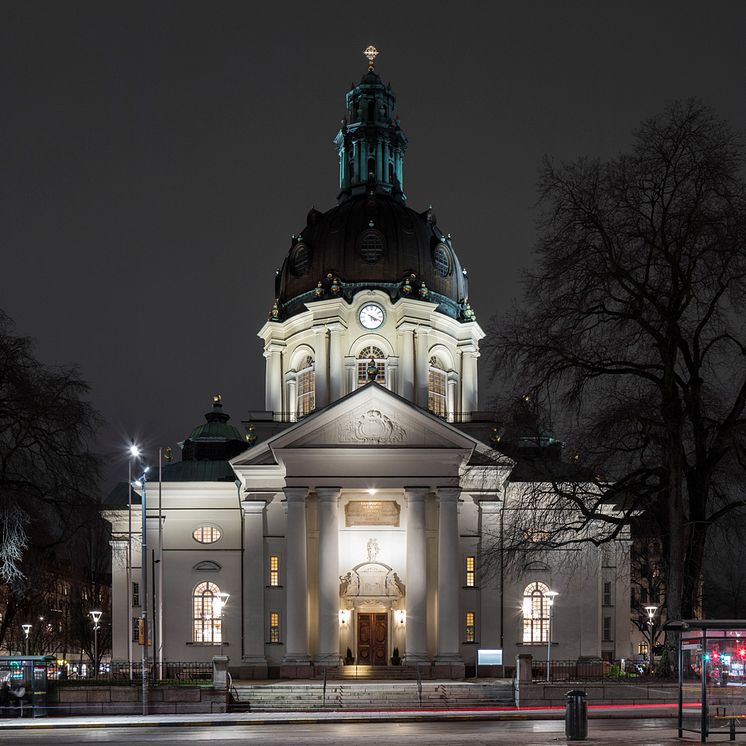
(23, 680)
(712, 676)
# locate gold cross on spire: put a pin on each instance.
(371, 53)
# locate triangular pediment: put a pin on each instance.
(372, 417)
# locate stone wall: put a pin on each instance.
(599, 693)
(127, 700)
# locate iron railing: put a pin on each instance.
(171, 672)
(586, 670)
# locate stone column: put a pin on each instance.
(416, 632)
(350, 374)
(448, 576)
(296, 577)
(336, 367)
(491, 593)
(321, 377)
(292, 397)
(273, 380)
(406, 376)
(327, 649)
(469, 392)
(121, 624)
(421, 366)
(255, 578)
(452, 397)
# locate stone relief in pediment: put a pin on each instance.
(370, 428)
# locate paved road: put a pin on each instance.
(638, 732)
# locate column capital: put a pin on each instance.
(253, 507)
(328, 494)
(449, 494)
(490, 506)
(295, 494)
(416, 493)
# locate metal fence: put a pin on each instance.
(587, 670)
(124, 672)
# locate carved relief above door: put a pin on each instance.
(372, 639)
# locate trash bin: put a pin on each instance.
(576, 716)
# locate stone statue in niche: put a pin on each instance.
(373, 549)
(349, 584)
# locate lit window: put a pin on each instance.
(470, 577)
(135, 629)
(306, 388)
(364, 357)
(642, 649)
(436, 388)
(470, 622)
(206, 534)
(135, 594)
(206, 613)
(535, 613)
(274, 626)
(274, 570)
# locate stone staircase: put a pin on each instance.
(369, 695)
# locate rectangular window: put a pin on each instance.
(274, 626)
(135, 594)
(305, 392)
(274, 570)
(470, 576)
(362, 372)
(607, 593)
(470, 626)
(643, 649)
(135, 629)
(607, 629)
(436, 392)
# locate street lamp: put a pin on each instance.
(551, 595)
(651, 611)
(96, 615)
(134, 453)
(142, 483)
(219, 604)
(26, 629)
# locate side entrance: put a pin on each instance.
(372, 639)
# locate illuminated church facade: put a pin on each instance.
(354, 517)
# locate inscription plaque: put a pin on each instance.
(372, 513)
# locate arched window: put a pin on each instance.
(371, 168)
(391, 173)
(371, 111)
(536, 613)
(364, 358)
(305, 391)
(437, 392)
(206, 613)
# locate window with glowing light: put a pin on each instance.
(274, 626)
(305, 389)
(470, 626)
(274, 570)
(535, 614)
(206, 608)
(436, 388)
(364, 357)
(206, 534)
(135, 594)
(470, 571)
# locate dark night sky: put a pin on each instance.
(155, 158)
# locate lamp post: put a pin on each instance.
(143, 483)
(551, 595)
(651, 611)
(220, 602)
(26, 630)
(96, 615)
(134, 453)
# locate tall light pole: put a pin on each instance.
(26, 630)
(96, 615)
(550, 596)
(134, 453)
(143, 483)
(220, 602)
(651, 610)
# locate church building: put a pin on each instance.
(359, 516)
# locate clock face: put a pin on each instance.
(371, 316)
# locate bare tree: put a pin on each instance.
(632, 327)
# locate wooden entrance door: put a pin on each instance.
(372, 639)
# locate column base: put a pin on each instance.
(454, 669)
(251, 667)
(296, 669)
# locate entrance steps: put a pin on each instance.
(370, 695)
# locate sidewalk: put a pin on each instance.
(285, 718)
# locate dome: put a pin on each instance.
(215, 439)
(369, 241)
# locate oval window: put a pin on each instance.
(371, 245)
(301, 259)
(206, 534)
